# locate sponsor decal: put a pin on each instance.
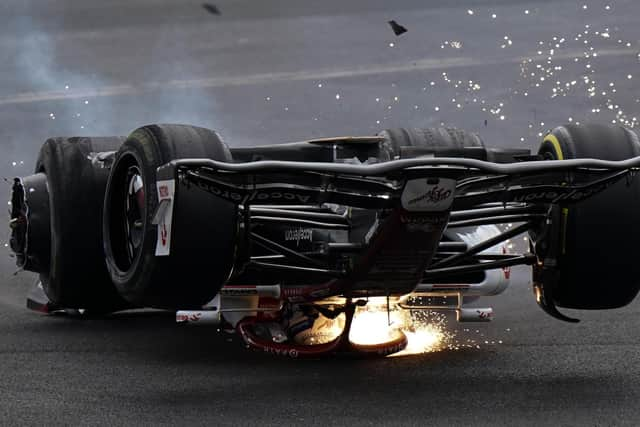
(163, 234)
(297, 234)
(306, 290)
(163, 191)
(560, 195)
(251, 196)
(428, 194)
(415, 222)
(423, 219)
(279, 195)
(238, 291)
(290, 352)
(166, 191)
(482, 314)
(434, 195)
(184, 317)
(391, 349)
(216, 191)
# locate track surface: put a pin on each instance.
(285, 70)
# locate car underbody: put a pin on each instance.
(327, 230)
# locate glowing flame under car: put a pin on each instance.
(375, 324)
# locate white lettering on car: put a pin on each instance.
(297, 234)
(261, 196)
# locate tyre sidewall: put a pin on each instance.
(203, 229)
(77, 276)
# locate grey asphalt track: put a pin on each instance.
(286, 70)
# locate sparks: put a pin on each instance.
(425, 331)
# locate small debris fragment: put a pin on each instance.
(397, 28)
(211, 8)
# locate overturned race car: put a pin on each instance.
(288, 244)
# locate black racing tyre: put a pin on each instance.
(597, 261)
(74, 274)
(202, 232)
(402, 143)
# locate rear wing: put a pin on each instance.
(431, 184)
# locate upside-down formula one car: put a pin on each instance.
(286, 244)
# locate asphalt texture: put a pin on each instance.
(283, 70)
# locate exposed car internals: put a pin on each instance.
(296, 246)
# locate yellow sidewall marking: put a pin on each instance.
(551, 138)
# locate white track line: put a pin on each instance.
(258, 79)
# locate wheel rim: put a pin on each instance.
(134, 212)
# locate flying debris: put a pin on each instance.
(211, 8)
(397, 28)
